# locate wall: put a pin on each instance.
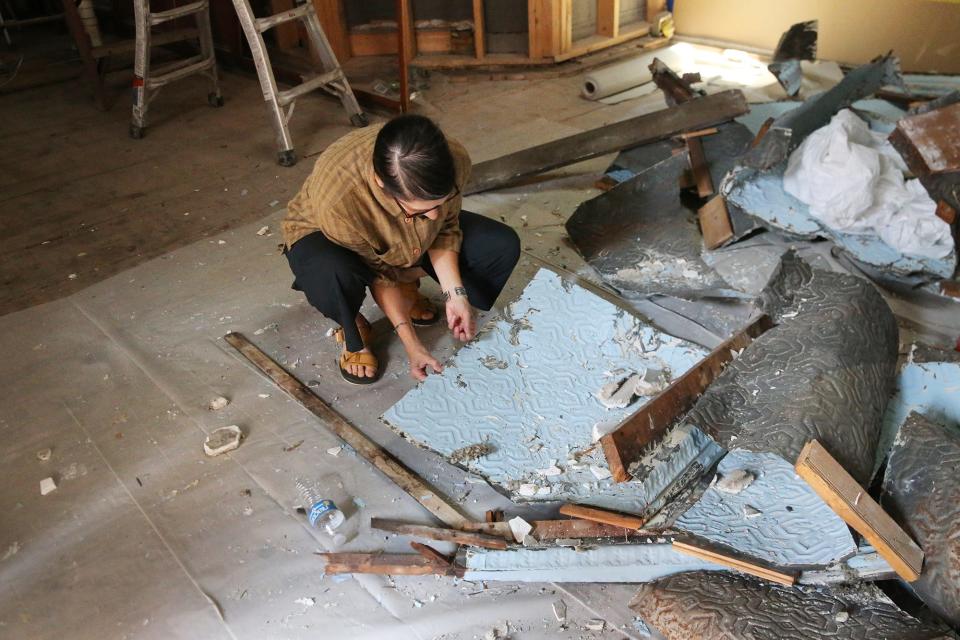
(924, 33)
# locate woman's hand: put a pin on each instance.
(460, 318)
(420, 359)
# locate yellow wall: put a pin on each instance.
(924, 33)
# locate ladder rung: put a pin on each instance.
(286, 97)
(179, 69)
(177, 12)
(284, 16)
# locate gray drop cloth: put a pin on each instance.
(145, 536)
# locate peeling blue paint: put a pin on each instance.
(928, 388)
(561, 344)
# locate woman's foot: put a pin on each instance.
(358, 367)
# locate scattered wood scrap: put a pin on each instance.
(625, 445)
(392, 564)
(576, 528)
(364, 446)
(851, 502)
(594, 514)
(445, 564)
(437, 533)
(715, 224)
(695, 114)
(752, 568)
(699, 167)
(930, 142)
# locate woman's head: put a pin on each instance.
(413, 161)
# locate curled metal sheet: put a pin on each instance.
(642, 239)
(825, 371)
(922, 492)
(726, 606)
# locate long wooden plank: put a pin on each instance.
(715, 222)
(626, 444)
(594, 514)
(552, 530)
(695, 114)
(393, 564)
(851, 502)
(436, 533)
(366, 448)
(479, 31)
(735, 563)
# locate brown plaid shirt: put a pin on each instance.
(342, 199)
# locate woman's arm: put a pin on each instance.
(460, 318)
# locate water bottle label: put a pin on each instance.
(319, 509)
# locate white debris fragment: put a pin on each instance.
(619, 393)
(11, 551)
(552, 470)
(594, 624)
(600, 473)
(262, 231)
(735, 481)
(654, 381)
(44, 454)
(335, 451)
(263, 395)
(841, 617)
(560, 611)
(528, 490)
(530, 541)
(221, 242)
(330, 332)
(568, 542)
(218, 403)
(72, 276)
(750, 511)
(307, 602)
(222, 440)
(274, 203)
(47, 485)
(519, 528)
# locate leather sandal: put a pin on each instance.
(360, 358)
(421, 306)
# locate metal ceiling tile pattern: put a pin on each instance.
(776, 518)
(922, 492)
(825, 371)
(728, 606)
(527, 385)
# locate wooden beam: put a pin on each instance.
(364, 446)
(626, 444)
(715, 222)
(608, 18)
(393, 564)
(696, 114)
(603, 516)
(654, 7)
(735, 563)
(407, 50)
(565, 21)
(445, 564)
(437, 533)
(543, 25)
(851, 502)
(699, 167)
(595, 43)
(479, 30)
(574, 528)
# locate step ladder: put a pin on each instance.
(147, 81)
(281, 103)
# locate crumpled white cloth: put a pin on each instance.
(852, 179)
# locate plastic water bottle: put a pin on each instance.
(321, 512)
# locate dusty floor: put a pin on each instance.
(146, 537)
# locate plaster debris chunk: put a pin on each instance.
(218, 403)
(223, 440)
(44, 454)
(560, 611)
(520, 528)
(735, 481)
(595, 624)
(47, 485)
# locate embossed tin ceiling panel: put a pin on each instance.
(825, 372)
(527, 388)
(726, 606)
(777, 517)
(922, 492)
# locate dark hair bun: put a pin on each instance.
(412, 158)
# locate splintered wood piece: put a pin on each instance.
(698, 134)
(762, 132)
(699, 167)
(851, 502)
(735, 563)
(676, 89)
(930, 142)
(550, 530)
(715, 222)
(392, 564)
(436, 533)
(364, 446)
(626, 444)
(499, 529)
(611, 518)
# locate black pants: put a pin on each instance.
(335, 279)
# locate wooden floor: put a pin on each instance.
(80, 200)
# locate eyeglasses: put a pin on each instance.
(412, 215)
